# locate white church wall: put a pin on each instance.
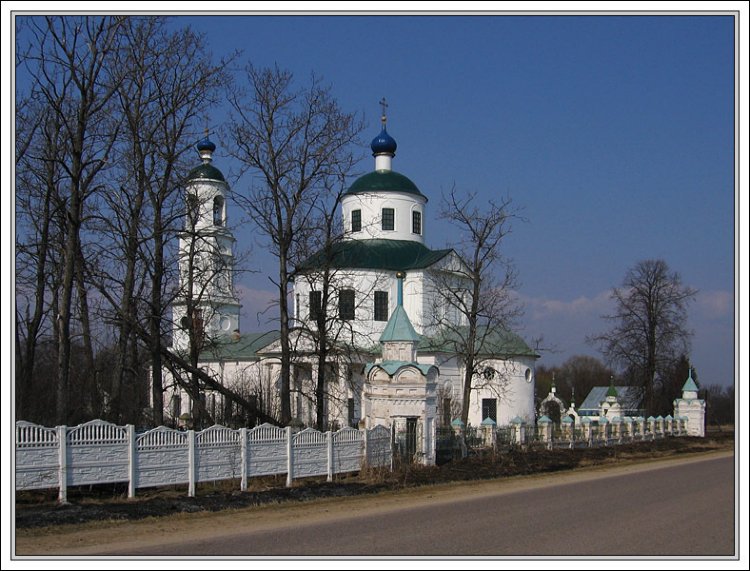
(512, 387)
(366, 330)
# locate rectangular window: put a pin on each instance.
(315, 301)
(489, 409)
(416, 222)
(388, 218)
(350, 413)
(356, 220)
(381, 306)
(346, 304)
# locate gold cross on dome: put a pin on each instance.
(383, 104)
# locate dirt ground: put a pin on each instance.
(39, 513)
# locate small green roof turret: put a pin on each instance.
(612, 391)
(399, 327)
(690, 383)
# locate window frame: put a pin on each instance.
(314, 305)
(346, 307)
(357, 220)
(416, 220)
(485, 403)
(380, 306)
(391, 217)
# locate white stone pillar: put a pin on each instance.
(289, 458)
(62, 463)
(243, 459)
(329, 454)
(131, 460)
(191, 463)
(544, 430)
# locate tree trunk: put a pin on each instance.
(286, 352)
(86, 379)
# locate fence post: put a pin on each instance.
(243, 459)
(62, 441)
(365, 444)
(329, 446)
(191, 463)
(289, 459)
(393, 441)
(131, 460)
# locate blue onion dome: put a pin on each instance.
(383, 144)
(205, 145)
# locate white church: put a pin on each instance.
(394, 366)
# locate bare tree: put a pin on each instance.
(649, 325)
(36, 199)
(168, 82)
(473, 296)
(73, 78)
(293, 139)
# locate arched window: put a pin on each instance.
(218, 211)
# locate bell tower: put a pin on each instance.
(206, 303)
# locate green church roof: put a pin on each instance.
(399, 328)
(384, 181)
(206, 171)
(395, 255)
(497, 343)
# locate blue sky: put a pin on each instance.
(613, 133)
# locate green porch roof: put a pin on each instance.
(243, 349)
(392, 367)
(393, 255)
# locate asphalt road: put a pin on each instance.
(682, 510)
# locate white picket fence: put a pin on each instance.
(99, 452)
